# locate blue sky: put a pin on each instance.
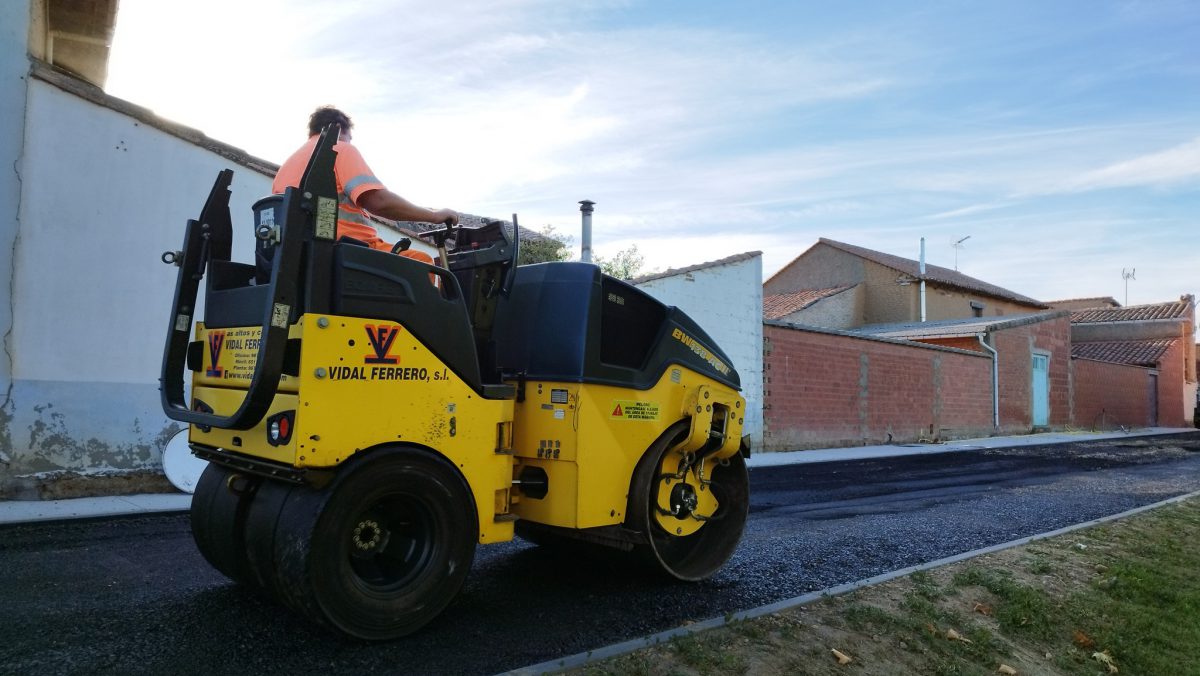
(1062, 137)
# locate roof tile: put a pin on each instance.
(954, 328)
(934, 273)
(1134, 352)
(1180, 309)
(780, 305)
(728, 260)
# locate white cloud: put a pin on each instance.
(1168, 167)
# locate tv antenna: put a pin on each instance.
(958, 245)
(1128, 275)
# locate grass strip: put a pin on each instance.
(1123, 597)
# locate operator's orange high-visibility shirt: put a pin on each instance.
(354, 178)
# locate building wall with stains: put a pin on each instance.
(101, 196)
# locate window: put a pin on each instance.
(629, 323)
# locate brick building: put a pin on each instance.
(1136, 365)
(842, 286)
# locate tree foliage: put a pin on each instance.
(546, 246)
(625, 264)
(549, 246)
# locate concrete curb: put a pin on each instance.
(778, 458)
(30, 511)
(582, 659)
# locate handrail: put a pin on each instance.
(205, 241)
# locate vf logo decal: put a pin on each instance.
(216, 340)
(382, 337)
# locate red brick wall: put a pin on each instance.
(826, 389)
(1016, 347)
(1110, 395)
(1173, 410)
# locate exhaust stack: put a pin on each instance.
(585, 207)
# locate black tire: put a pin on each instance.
(699, 555)
(218, 517)
(383, 549)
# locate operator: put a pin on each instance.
(359, 192)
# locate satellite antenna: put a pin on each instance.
(1128, 275)
(958, 245)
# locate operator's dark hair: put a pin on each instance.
(324, 116)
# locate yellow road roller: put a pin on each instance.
(369, 419)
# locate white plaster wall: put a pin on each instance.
(14, 69)
(104, 196)
(726, 301)
(101, 196)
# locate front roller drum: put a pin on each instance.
(691, 512)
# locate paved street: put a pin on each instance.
(132, 595)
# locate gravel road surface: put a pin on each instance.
(132, 595)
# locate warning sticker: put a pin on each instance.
(634, 410)
(326, 224)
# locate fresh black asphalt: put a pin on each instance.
(133, 596)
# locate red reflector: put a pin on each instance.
(283, 428)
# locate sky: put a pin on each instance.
(1062, 138)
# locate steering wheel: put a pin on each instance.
(439, 235)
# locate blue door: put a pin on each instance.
(1041, 389)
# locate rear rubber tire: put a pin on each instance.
(218, 518)
(699, 555)
(382, 550)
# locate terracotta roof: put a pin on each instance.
(1084, 303)
(954, 328)
(935, 273)
(1135, 352)
(779, 305)
(671, 272)
(1180, 309)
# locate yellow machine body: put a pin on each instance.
(589, 438)
(364, 384)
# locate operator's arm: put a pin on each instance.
(385, 203)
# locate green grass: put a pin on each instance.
(1020, 609)
(1129, 589)
(1145, 606)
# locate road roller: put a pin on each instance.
(369, 419)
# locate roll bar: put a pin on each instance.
(309, 212)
